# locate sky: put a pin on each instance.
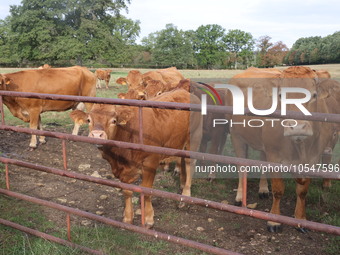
(284, 21)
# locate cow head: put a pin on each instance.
(104, 119)
(121, 81)
(306, 78)
(134, 78)
(4, 82)
(153, 88)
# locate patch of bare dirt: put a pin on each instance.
(233, 232)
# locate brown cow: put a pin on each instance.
(300, 144)
(45, 66)
(159, 129)
(104, 75)
(135, 78)
(334, 107)
(255, 78)
(78, 81)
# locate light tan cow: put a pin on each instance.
(300, 144)
(104, 75)
(77, 81)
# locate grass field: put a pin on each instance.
(115, 241)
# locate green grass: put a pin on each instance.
(108, 239)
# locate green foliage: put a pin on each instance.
(170, 47)
(315, 50)
(68, 32)
(209, 46)
(241, 45)
(94, 33)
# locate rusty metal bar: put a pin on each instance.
(140, 119)
(48, 237)
(64, 154)
(142, 208)
(190, 200)
(7, 177)
(156, 234)
(323, 117)
(68, 225)
(2, 111)
(167, 151)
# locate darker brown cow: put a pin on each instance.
(78, 81)
(168, 76)
(300, 144)
(159, 129)
(104, 75)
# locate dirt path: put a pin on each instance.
(226, 230)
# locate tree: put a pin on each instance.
(8, 48)
(64, 30)
(209, 46)
(173, 48)
(270, 54)
(241, 45)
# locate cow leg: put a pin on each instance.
(300, 208)
(148, 173)
(98, 86)
(241, 152)
(327, 159)
(42, 139)
(34, 123)
(128, 211)
(107, 84)
(263, 188)
(278, 188)
(182, 174)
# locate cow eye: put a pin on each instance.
(159, 93)
(88, 120)
(114, 121)
(315, 95)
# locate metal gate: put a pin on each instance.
(148, 191)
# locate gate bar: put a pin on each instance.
(167, 151)
(141, 230)
(190, 200)
(316, 116)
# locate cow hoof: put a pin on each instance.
(31, 148)
(274, 228)
(238, 203)
(181, 205)
(148, 226)
(302, 230)
(263, 195)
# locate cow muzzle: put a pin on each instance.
(101, 134)
(141, 96)
(298, 130)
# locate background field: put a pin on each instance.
(323, 206)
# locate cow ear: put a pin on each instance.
(324, 92)
(123, 116)
(79, 116)
(5, 81)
